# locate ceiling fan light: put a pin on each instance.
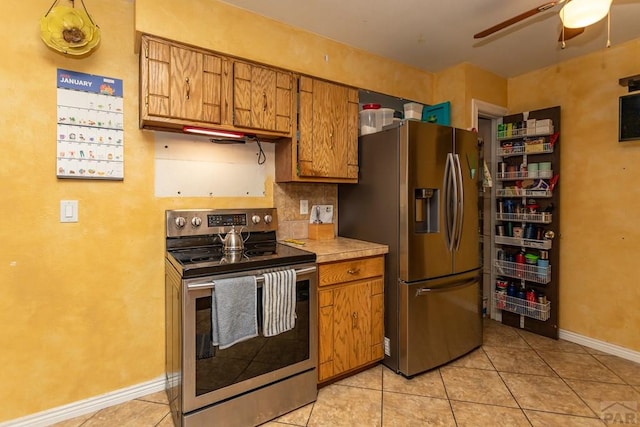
(581, 13)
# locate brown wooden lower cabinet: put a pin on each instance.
(351, 315)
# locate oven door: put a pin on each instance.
(211, 375)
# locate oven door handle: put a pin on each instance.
(259, 279)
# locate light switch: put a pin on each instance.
(68, 211)
(304, 207)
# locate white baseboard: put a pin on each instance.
(603, 346)
(87, 406)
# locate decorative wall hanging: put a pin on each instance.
(90, 128)
(69, 30)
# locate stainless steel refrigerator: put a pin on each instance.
(417, 193)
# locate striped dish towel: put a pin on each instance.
(279, 302)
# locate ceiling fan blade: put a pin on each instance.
(516, 19)
(570, 33)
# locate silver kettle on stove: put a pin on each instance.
(232, 241)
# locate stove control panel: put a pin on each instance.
(224, 220)
(200, 222)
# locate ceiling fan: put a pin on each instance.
(575, 16)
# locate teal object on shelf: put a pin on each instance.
(439, 113)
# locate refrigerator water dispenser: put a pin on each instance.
(427, 210)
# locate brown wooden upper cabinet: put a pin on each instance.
(327, 148)
(182, 85)
(262, 97)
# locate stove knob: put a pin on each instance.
(196, 221)
(255, 219)
(180, 222)
(268, 219)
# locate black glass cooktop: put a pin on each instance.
(208, 260)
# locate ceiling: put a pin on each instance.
(434, 35)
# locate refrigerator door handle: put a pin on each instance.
(427, 291)
(459, 203)
(448, 199)
(453, 202)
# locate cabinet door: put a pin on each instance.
(212, 83)
(284, 102)
(325, 334)
(262, 97)
(328, 145)
(352, 326)
(181, 83)
(156, 74)
(186, 83)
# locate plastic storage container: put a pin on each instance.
(385, 117)
(373, 118)
(368, 122)
(413, 110)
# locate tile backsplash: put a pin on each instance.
(287, 196)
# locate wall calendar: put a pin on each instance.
(90, 138)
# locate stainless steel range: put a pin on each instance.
(254, 380)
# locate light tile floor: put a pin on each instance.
(515, 379)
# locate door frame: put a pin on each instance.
(495, 113)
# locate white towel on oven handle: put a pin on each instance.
(279, 302)
(234, 311)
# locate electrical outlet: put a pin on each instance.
(304, 207)
(387, 346)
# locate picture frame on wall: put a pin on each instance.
(629, 117)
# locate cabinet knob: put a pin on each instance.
(353, 271)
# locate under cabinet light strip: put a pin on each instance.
(212, 132)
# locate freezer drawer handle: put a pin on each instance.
(427, 291)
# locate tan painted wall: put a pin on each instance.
(82, 304)
(82, 307)
(223, 28)
(462, 83)
(450, 85)
(599, 290)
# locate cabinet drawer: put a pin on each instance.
(350, 270)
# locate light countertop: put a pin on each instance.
(340, 248)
